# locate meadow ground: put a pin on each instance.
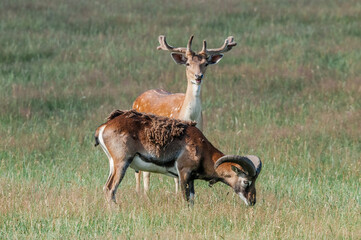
(289, 93)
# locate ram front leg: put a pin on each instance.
(187, 186)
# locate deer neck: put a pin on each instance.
(192, 105)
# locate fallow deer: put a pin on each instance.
(179, 105)
(172, 147)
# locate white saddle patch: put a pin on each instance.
(140, 165)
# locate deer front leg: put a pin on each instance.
(176, 183)
(137, 181)
(146, 180)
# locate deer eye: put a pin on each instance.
(206, 64)
(187, 64)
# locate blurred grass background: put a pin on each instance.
(290, 92)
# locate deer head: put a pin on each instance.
(196, 63)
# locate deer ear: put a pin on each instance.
(179, 58)
(215, 59)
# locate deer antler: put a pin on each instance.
(228, 45)
(163, 45)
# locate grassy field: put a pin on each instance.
(290, 92)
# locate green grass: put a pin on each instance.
(289, 93)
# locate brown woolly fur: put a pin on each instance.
(161, 131)
(164, 130)
(114, 114)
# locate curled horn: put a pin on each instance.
(256, 162)
(251, 164)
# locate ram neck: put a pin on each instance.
(211, 155)
(215, 155)
(223, 172)
(192, 105)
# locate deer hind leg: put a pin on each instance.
(146, 180)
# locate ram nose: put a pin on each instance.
(251, 199)
(248, 198)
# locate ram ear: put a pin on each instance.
(238, 171)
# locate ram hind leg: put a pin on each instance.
(115, 178)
